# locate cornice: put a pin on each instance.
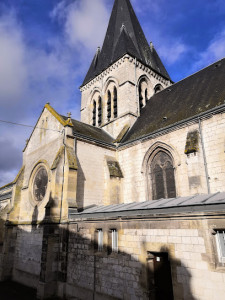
(122, 60)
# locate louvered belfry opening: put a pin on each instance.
(115, 102)
(99, 111)
(94, 114)
(109, 106)
(162, 176)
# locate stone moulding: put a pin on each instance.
(57, 116)
(15, 180)
(192, 142)
(122, 134)
(117, 64)
(72, 160)
(57, 158)
(114, 169)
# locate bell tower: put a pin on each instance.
(123, 75)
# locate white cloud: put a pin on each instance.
(214, 52)
(7, 177)
(13, 72)
(29, 77)
(144, 6)
(85, 22)
(171, 52)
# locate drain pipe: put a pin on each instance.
(64, 161)
(204, 155)
(135, 75)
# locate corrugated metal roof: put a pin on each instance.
(189, 203)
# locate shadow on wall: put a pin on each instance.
(64, 260)
(80, 186)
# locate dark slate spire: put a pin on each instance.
(124, 36)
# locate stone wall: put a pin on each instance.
(125, 76)
(64, 260)
(27, 259)
(188, 241)
(190, 175)
(92, 174)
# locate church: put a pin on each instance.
(129, 202)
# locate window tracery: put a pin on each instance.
(162, 176)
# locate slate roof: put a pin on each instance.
(91, 132)
(196, 203)
(192, 96)
(124, 36)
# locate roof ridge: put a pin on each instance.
(195, 73)
(82, 123)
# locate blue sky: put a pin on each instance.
(46, 47)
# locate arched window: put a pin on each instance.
(158, 88)
(109, 106)
(115, 102)
(162, 176)
(99, 111)
(143, 92)
(94, 114)
(146, 95)
(141, 104)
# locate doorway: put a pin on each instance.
(159, 276)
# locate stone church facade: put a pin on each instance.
(129, 203)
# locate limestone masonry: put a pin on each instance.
(129, 203)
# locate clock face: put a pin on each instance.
(40, 184)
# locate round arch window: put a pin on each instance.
(40, 184)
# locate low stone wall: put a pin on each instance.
(64, 260)
(27, 262)
(196, 273)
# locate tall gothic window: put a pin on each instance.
(146, 95)
(99, 111)
(143, 93)
(109, 106)
(115, 102)
(162, 175)
(141, 104)
(94, 114)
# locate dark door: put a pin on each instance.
(161, 278)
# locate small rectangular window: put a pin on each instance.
(220, 240)
(100, 240)
(114, 240)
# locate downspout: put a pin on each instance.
(60, 218)
(204, 155)
(64, 161)
(135, 75)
